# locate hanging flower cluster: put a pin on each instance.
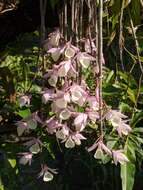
(73, 106)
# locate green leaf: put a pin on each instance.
(138, 116)
(24, 113)
(132, 95)
(110, 76)
(128, 169)
(127, 175)
(124, 107)
(138, 130)
(12, 162)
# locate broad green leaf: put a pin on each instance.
(1, 187)
(132, 95)
(127, 175)
(24, 113)
(110, 76)
(111, 143)
(124, 107)
(12, 162)
(138, 116)
(128, 169)
(138, 130)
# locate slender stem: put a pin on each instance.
(43, 12)
(73, 17)
(136, 41)
(65, 20)
(121, 35)
(138, 57)
(43, 4)
(100, 57)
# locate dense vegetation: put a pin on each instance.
(40, 129)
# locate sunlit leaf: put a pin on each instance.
(24, 113)
(12, 162)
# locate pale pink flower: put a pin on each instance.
(47, 95)
(77, 137)
(78, 94)
(64, 68)
(119, 156)
(26, 158)
(21, 127)
(93, 103)
(53, 79)
(93, 115)
(61, 99)
(65, 114)
(63, 133)
(85, 59)
(90, 46)
(70, 50)
(74, 139)
(51, 125)
(123, 128)
(24, 100)
(80, 121)
(54, 38)
(115, 114)
(116, 119)
(47, 173)
(100, 145)
(55, 53)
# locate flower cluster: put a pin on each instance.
(73, 106)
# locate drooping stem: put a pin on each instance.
(65, 20)
(72, 18)
(100, 60)
(43, 5)
(121, 35)
(138, 57)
